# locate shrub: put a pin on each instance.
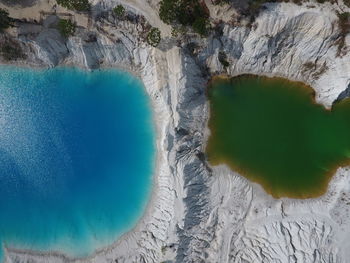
(66, 27)
(5, 20)
(119, 10)
(153, 37)
(78, 5)
(201, 26)
(168, 11)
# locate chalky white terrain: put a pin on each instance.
(200, 213)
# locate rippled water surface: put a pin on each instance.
(76, 157)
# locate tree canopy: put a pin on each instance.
(66, 27)
(168, 11)
(119, 10)
(191, 13)
(153, 37)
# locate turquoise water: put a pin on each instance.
(76, 158)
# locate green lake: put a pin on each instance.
(272, 132)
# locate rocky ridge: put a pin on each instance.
(211, 214)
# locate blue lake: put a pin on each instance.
(77, 153)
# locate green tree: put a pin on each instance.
(201, 26)
(153, 37)
(5, 20)
(191, 13)
(66, 27)
(78, 5)
(119, 10)
(168, 11)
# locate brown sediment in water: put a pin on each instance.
(321, 189)
(316, 189)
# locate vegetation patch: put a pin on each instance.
(119, 11)
(5, 20)
(78, 5)
(153, 37)
(66, 27)
(201, 26)
(186, 13)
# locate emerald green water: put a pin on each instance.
(271, 131)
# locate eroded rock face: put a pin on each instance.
(210, 214)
